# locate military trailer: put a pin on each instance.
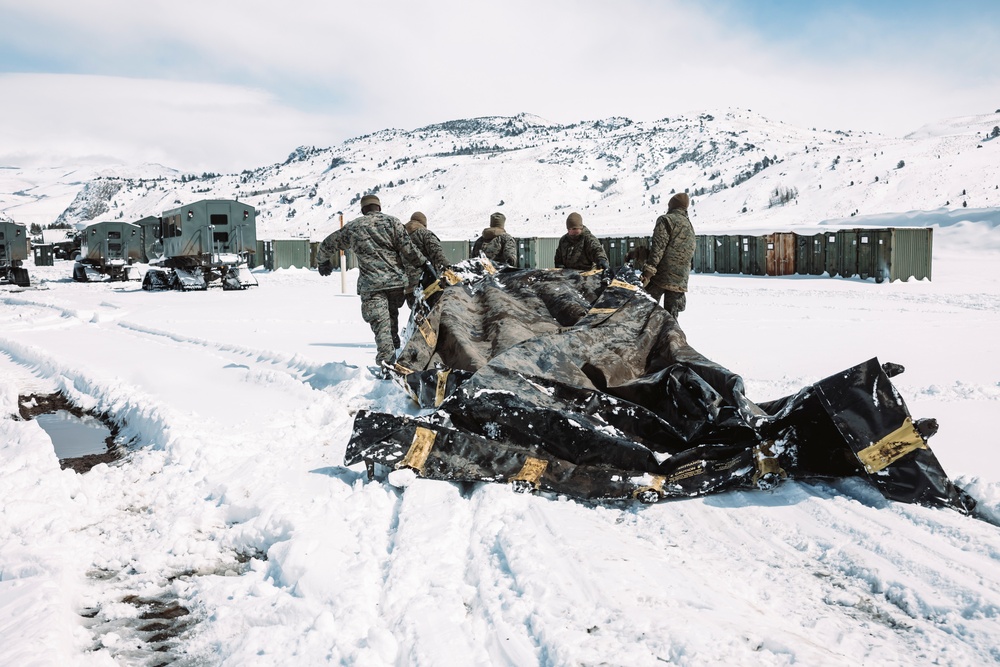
(209, 241)
(152, 247)
(13, 252)
(65, 242)
(107, 251)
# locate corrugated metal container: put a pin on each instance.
(289, 253)
(910, 253)
(455, 251)
(847, 252)
(257, 258)
(527, 252)
(810, 254)
(873, 253)
(616, 248)
(545, 253)
(779, 254)
(753, 252)
(727, 253)
(44, 255)
(704, 253)
(831, 258)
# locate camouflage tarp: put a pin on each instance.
(579, 384)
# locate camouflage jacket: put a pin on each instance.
(671, 251)
(429, 246)
(498, 245)
(579, 252)
(382, 247)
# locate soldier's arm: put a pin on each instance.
(436, 252)
(331, 245)
(658, 246)
(596, 252)
(559, 260)
(510, 251)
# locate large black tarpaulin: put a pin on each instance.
(579, 384)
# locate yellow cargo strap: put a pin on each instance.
(767, 462)
(451, 277)
(427, 331)
(531, 471)
(432, 289)
(892, 447)
(401, 369)
(656, 486)
(442, 386)
(420, 449)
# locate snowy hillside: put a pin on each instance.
(743, 170)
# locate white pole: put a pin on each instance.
(343, 264)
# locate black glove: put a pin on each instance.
(603, 264)
(429, 276)
(325, 268)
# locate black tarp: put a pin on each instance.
(579, 384)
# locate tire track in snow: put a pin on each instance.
(314, 374)
(426, 600)
(847, 567)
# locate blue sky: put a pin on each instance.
(224, 85)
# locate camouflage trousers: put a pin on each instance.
(381, 311)
(673, 302)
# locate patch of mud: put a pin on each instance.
(150, 629)
(31, 405)
(151, 636)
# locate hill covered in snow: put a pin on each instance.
(744, 171)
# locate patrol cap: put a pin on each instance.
(497, 220)
(574, 221)
(368, 200)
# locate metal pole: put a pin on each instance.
(343, 264)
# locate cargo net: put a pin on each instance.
(578, 383)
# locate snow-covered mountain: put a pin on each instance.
(743, 170)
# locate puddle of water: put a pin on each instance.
(74, 436)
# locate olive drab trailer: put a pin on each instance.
(107, 251)
(205, 242)
(13, 252)
(152, 247)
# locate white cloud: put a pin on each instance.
(360, 67)
(192, 126)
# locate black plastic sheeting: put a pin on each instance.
(579, 384)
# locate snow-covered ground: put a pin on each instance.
(231, 534)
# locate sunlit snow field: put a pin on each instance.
(233, 506)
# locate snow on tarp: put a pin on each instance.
(580, 384)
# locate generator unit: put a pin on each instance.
(209, 241)
(107, 251)
(13, 252)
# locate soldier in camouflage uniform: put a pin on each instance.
(665, 273)
(499, 246)
(385, 254)
(578, 248)
(429, 246)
